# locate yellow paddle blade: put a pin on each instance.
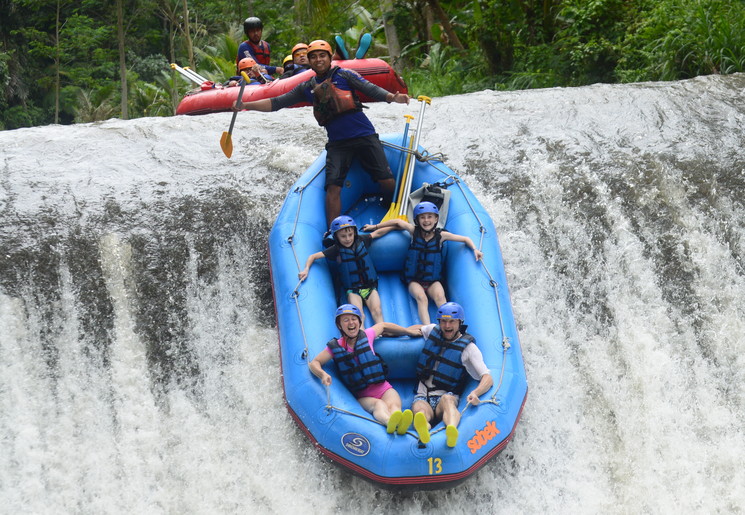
(392, 212)
(226, 142)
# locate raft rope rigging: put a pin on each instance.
(448, 181)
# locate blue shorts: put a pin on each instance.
(432, 400)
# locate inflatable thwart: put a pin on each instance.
(331, 416)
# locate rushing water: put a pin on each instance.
(138, 357)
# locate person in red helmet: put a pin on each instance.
(337, 108)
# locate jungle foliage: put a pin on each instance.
(60, 60)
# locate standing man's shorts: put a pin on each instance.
(369, 151)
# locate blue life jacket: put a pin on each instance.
(424, 258)
(442, 360)
(359, 368)
(356, 269)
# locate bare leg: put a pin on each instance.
(333, 203)
(448, 410)
(373, 304)
(387, 185)
(422, 302)
(377, 408)
(437, 293)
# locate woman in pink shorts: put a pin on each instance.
(361, 370)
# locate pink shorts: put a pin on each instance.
(374, 390)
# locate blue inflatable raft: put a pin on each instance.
(331, 417)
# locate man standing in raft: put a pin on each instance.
(449, 356)
(337, 107)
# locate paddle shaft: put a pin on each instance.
(189, 74)
(240, 97)
(412, 162)
(401, 159)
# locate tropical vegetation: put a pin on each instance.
(65, 61)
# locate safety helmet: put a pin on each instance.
(246, 62)
(425, 207)
(340, 222)
(286, 60)
(451, 310)
(299, 46)
(252, 23)
(347, 309)
(320, 44)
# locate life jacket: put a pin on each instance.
(260, 52)
(356, 269)
(360, 367)
(330, 102)
(424, 258)
(442, 360)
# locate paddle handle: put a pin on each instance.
(412, 162)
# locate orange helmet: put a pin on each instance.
(320, 44)
(299, 46)
(246, 62)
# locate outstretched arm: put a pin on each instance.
(392, 329)
(393, 223)
(304, 272)
(265, 104)
(448, 236)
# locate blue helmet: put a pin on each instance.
(451, 310)
(340, 222)
(347, 309)
(425, 207)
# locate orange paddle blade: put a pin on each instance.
(226, 142)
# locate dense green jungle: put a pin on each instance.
(65, 61)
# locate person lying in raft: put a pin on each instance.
(424, 261)
(449, 356)
(361, 370)
(357, 271)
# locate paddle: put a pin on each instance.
(393, 209)
(226, 141)
(399, 209)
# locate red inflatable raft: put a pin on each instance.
(220, 99)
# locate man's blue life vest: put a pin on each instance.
(424, 258)
(442, 360)
(356, 269)
(359, 368)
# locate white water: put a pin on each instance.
(138, 358)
